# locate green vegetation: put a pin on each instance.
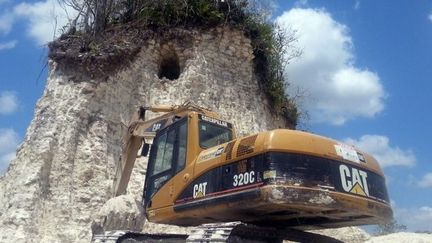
(270, 43)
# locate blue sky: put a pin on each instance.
(365, 75)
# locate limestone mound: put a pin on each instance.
(63, 171)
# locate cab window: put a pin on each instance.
(211, 134)
(167, 156)
(182, 143)
(165, 147)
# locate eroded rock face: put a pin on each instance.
(63, 171)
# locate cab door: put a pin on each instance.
(167, 158)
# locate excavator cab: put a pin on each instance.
(172, 152)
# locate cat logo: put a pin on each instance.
(354, 180)
(199, 190)
(156, 127)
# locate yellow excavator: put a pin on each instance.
(273, 184)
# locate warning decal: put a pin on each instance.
(347, 152)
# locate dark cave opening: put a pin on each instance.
(169, 67)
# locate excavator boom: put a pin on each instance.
(140, 130)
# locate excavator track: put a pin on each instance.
(233, 232)
(122, 236)
(246, 233)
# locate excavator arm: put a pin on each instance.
(140, 130)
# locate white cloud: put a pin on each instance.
(338, 90)
(426, 181)
(45, 18)
(357, 4)
(386, 155)
(6, 22)
(430, 17)
(8, 102)
(8, 145)
(8, 45)
(416, 219)
(301, 3)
